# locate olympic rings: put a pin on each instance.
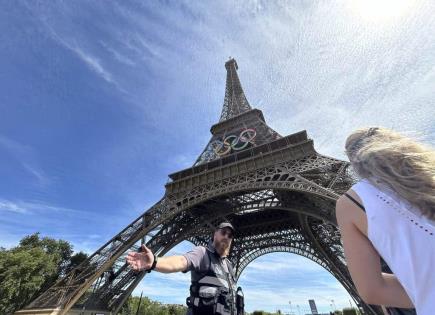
(233, 142)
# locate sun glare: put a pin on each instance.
(382, 9)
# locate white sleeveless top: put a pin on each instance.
(405, 240)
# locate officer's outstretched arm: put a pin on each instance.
(171, 264)
(144, 260)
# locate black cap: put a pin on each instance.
(224, 225)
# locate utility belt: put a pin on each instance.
(209, 300)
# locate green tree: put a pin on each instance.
(350, 311)
(149, 307)
(31, 267)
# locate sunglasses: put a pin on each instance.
(229, 234)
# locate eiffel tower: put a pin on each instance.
(278, 192)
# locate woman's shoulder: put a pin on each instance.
(350, 210)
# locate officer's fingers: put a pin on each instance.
(131, 263)
(145, 249)
(132, 255)
(132, 258)
(129, 259)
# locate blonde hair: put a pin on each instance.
(389, 159)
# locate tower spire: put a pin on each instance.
(235, 102)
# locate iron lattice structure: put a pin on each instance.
(278, 192)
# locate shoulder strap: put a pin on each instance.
(229, 266)
(355, 201)
(230, 269)
(209, 259)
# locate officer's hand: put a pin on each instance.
(142, 260)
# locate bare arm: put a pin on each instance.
(363, 260)
(144, 260)
(171, 264)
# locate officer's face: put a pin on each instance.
(226, 232)
(223, 238)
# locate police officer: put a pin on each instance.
(213, 287)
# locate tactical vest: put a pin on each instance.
(213, 292)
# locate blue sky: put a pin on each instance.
(100, 101)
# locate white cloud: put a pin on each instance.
(26, 207)
(6, 205)
(118, 55)
(93, 62)
(72, 43)
(27, 157)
